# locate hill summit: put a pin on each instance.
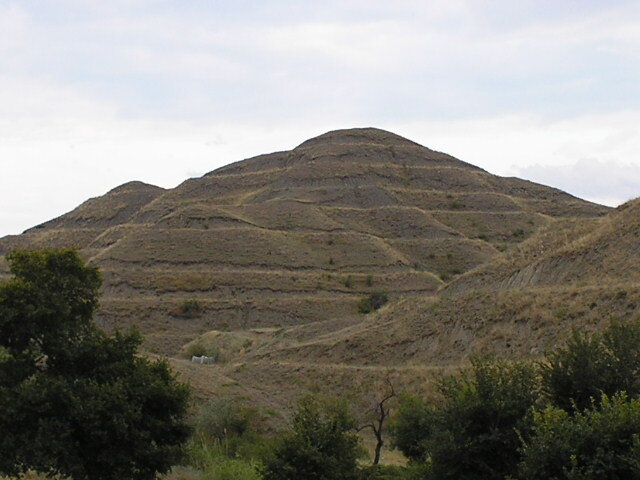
(299, 236)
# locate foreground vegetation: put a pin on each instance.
(75, 401)
(79, 403)
(574, 415)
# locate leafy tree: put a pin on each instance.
(590, 365)
(411, 426)
(322, 445)
(221, 418)
(602, 442)
(228, 441)
(474, 431)
(73, 400)
(236, 429)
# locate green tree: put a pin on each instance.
(221, 418)
(590, 365)
(602, 442)
(411, 426)
(322, 445)
(473, 431)
(228, 441)
(73, 400)
(237, 429)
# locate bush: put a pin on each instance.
(594, 364)
(220, 419)
(189, 309)
(603, 442)
(384, 472)
(485, 424)
(481, 412)
(237, 428)
(228, 441)
(322, 444)
(372, 302)
(410, 427)
(215, 464)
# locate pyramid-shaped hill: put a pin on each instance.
(299, 236)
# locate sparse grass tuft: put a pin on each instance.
(189, 309)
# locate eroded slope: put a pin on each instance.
(299, 236)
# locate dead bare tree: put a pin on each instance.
(377, 425)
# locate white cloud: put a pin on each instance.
(13, 26)
(199, 64)
(431, 58)
(60, 147)
(564, 154)
(607, 182)
(93, 94)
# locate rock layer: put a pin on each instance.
(298, 236)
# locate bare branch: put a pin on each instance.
(368, 425)
(381, 415)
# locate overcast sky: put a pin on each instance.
(96, 93)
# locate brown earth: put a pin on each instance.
(276, 252)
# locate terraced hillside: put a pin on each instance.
(605, 251)
(297, 237)
(573, 273)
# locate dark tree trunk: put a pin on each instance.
(379, 444)
(381, 415)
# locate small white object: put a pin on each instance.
(203, 360)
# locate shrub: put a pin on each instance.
(372, 302)
(220, 419)
(410, 426)
(384, 472)
(593, 364)
(322, 444)
(228, 441)
(474, 430)
(600, 443)
(189, 309)
(214, 464)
